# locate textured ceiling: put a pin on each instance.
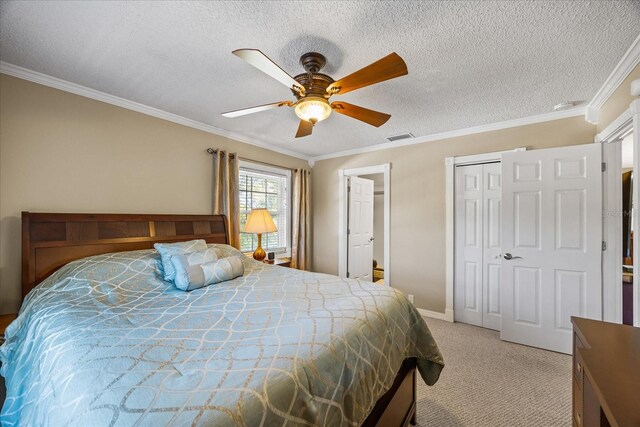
(470, 63)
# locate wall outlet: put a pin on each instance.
(410, 296)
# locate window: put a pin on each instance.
(266, 187)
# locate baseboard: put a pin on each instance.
(449, 315)
(446, 316)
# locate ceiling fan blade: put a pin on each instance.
(374, 118)
(389, 67)
(304, 129)
(266, 65)
(257, 109)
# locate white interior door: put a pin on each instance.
(491, 261)
(468, 234)
(551, 243)
(360, 229)
(477, 246)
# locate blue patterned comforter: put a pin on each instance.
(105, 341)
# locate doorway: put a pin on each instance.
(619, 223)
(451, 165)
(626, 148)
(621, 299)
(360, 243)
(538, 263)
(477, 244)
(377, 242)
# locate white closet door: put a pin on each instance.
(469, 244)
(492, 243)
(551, 239)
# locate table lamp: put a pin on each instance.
(258, 222)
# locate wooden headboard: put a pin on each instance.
(51, 240)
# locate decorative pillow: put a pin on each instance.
(168, 249)
(189, 276)
(192, 258)
(225, 251)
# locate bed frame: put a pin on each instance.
(51, 240)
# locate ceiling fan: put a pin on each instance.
(313, 89)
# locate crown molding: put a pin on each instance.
(628, 62)
(617, 129)
(541, 118)
(56, 83)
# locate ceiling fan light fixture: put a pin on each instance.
(312, 89)
(313, 109)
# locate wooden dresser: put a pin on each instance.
(606, 374)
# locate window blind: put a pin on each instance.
(261, 189)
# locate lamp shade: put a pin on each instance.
(313, 109)
(260, 221)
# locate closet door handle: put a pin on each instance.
(509, 257)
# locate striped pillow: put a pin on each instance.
(193, 276)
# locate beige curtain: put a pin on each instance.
(226, 195)
(301, 221)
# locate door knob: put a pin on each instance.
(508, 256)
(371, 239)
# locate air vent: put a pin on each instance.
(399, 137)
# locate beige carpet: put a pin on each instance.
(488, 382)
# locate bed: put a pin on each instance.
(101, 339)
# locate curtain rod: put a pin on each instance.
(215, 150)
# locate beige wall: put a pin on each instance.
(418, 200)
(61, 152)
(618, 102)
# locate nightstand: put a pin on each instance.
(5, 319)
(282, 262)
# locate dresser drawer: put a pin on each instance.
(578, 369)
(578, 411)
(578, 382)
(578, 365)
